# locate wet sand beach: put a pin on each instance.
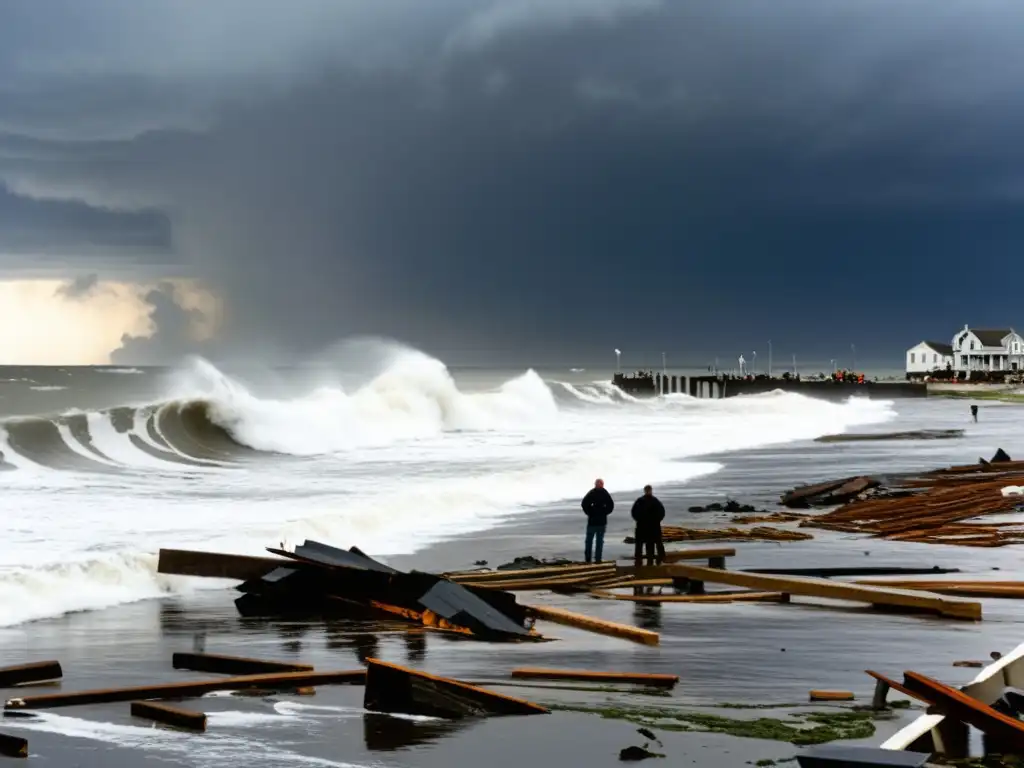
(750, 654)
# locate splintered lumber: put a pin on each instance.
(831, 696)
(168, 715)
(952, 607)
(187, 689)
(38, 672)
(13, 746)
(601, 626)
(536, 673)
(393, 688)
(215, 565)
(1007, 730)
(233, 665)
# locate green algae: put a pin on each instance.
(799, 728)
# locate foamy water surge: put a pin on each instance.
(402, 460)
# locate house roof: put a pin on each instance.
(942, 349)
(991, 338)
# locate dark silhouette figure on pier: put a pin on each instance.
(597, 505)
(974, 413)
(648, 512)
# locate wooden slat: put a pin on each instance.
(952, 607)
(898, 686)
(601, 626)
(233, 665)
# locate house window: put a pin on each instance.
(972, 345)
(911, 357)
(963, 360)
(935, 358)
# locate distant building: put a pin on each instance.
(988, 350)
(973, 349)
(929, 356)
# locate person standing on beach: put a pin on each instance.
(974, 413)
(597, 505)
(648, 512)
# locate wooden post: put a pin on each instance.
(168, 715)
(13, 746)
(38, 672)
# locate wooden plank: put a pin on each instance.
(708, 553)
(233, 665)
(37, 672)
(188, 689)
(569, 618)
(13, 746)
(215, 565)
(1007, 730)
(831, 696)
(725, 597)
(952, 607)
(394, 688)
(168, 715)
(642, 678)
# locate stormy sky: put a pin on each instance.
(535, 181)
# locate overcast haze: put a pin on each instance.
(527, 180)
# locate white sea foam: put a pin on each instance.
(402, 460)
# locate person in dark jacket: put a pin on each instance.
(597, 504)
(648, 512)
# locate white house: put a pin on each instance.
(988, 350)
(929, 356)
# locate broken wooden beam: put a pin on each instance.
(396, 689)
(1008, 731)
(951, 607)
(215, 565)
(601, 626)
(188, 689)
(168, 715)
(641, 678)
(553, 571)
(13, 746)
(233, 665)
(37, 672)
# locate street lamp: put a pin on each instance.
(754, 364)
(618, 360)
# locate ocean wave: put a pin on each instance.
(391, 463)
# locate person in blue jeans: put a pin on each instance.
(597, 505)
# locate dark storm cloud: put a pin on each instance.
(548, 178)
(79, 288)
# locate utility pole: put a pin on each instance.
(769, 358)
(754, 364)
(794, 365)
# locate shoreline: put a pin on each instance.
(749, 654)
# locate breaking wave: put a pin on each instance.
(392, 463)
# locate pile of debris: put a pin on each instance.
(317, 579)
(931, 508)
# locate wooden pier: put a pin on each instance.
(647, 384)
